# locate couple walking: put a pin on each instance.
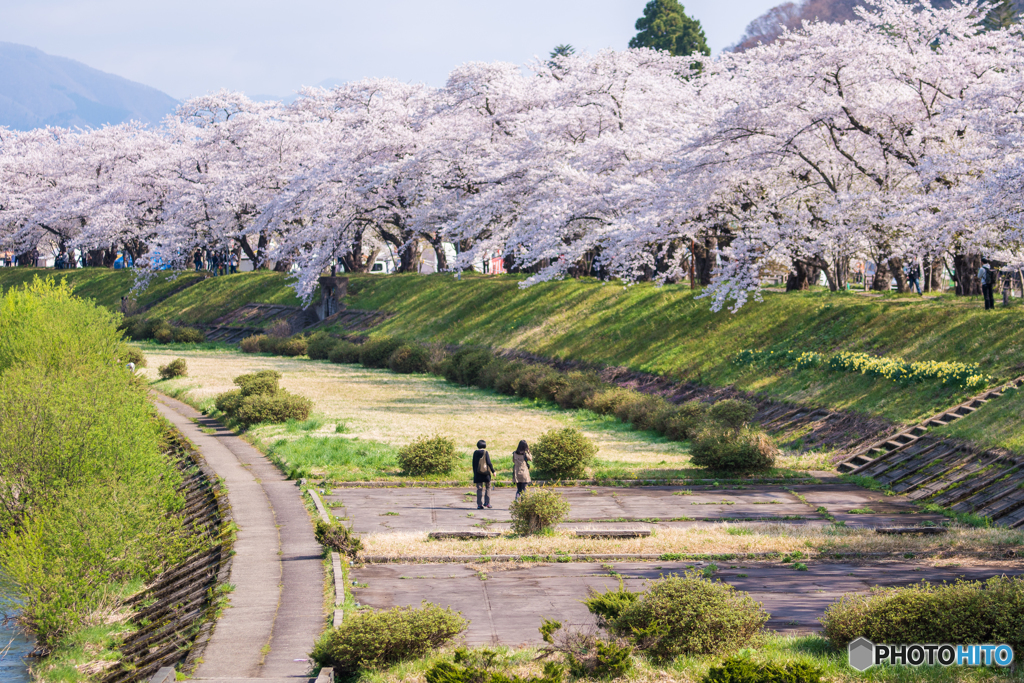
(483, 469)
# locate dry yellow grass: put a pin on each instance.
(395, 409)
(718, 538)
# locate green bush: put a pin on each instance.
(537, 510)
(376, 352)
(539, 381)
(606, 401)
(269, 343)
(464, 366)
(492, 373)
(344, 352)
(176, 368)
(731, 413)
(251, 344)
(409, 358)
(609, 605)
(563, 453)
(684, 421)
(726, 450)
(746, 670)
(188, 335)
(579, 389)
(428, 455)
(381, 638)
(130, 354)
(138, 328)
(163, 334)
(318, 347)
(690, 615)
(643, 411)
(262, 382)
(506, 375)
(274, 408)
(228, 402)
(963, 612)
(87, 497)
(296, 346)
(337, 537)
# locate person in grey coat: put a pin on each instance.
(521, 460)
(482, 471)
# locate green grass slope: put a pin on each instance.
(218, 296)
(669, 331)
(104, 285)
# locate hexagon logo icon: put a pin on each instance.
(862, 654)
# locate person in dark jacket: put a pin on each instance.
(482, 471)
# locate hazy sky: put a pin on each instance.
(190, 47)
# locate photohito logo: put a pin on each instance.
(864, 654)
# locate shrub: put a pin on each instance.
(376, 352)
(337, 537)
(685, 421)
(130, 354)
(746, 670)
(163, 334)
(296, 346)
(725, 450)
(578, 389)
(188, 335)
(251, 344)
(506, 376)
(344, 352)
(690, 615)
(139, 329)
(494, 372)
(731, 413)
(409, 358)
(536, 510)
(228, 402)
(270, 343)
(262, 382)
(608, 606)
(176, 368)
(464, 366)
(644, 411)
(428, 455)
(586, 654)
(380, 638)
(280, 329)
(318, 347)
(538, 381)
(272, 408)
(563, 453)
(605, 402)
(963, 612)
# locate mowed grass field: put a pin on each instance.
(361, 417)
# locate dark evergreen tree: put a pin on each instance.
(563, 50)
(1005, 14)
(666, 26)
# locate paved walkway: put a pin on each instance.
(276, 609)
(507, 606)
(377, 510)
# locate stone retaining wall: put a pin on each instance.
(175, 613)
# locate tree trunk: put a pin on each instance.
(259, 256)
(28, 258)
(704, 259)
(965, 272)
(802, 277)
(902, 283)
(880, 283)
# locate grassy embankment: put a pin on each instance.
(378, 411)
(662, 330)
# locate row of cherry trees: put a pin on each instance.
(896, 138)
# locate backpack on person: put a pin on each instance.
(481, 464)
(991, 277)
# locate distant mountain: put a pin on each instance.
(37, 89)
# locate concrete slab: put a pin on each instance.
(508, 606)
(374, 510)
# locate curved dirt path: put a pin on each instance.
(276, 609)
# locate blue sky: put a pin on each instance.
(190, 47)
